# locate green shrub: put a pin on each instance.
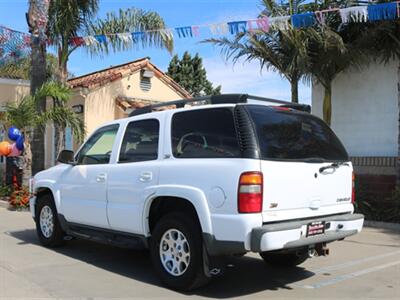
(376, 209)
(5, 191)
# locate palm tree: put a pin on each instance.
(68, 19)
(128, 21)
(23, 115)
(327, 57)
(283, 51)
(37, 21)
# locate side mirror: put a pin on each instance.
(66, 157)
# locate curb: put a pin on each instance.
(3, 204)
(382, 225)
(6, 205)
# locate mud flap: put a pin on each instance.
(214, 266)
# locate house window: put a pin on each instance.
(145, 83)
(68, 139)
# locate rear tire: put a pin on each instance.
(176, 250)
(288, 259)
(48, 227)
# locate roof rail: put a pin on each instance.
(220, 99)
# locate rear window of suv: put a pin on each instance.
(204, 133)
(288, 135)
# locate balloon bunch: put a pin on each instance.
(16, 148)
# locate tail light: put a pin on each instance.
(353, 189)
(250, 192)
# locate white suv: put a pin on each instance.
(196, 184)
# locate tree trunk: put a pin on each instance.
(327, 105)
(27, 161)
(38, 77)
(59, 139)
(62, 72)
(294, 85)
(37, 22)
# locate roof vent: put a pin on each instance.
(145, 83)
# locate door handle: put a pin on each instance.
(146, 176)
(101, 178)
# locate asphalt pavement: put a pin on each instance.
(364, 266)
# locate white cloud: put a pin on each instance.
(245, 77)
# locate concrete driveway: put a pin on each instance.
(364, 266)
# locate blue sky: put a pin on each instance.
(242, 77)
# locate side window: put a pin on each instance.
(140, 142)
(204, 133)
(97, 149)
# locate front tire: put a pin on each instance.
(176, 250)
(48, 227)
(288, 259)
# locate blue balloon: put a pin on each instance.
(20, 143)
(14, 133)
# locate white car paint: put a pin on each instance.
(121, 200)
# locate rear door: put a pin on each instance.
(134, 177)
(294, 146)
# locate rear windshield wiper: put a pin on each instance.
(333, 166)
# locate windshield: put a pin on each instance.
(289, 135)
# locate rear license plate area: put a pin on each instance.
(315, 228)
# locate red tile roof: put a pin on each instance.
(129, 103)
(102, 77)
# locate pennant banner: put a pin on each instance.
(15, 45)
(375, 12)
(384, 11)
(303, 20)
(237, 27)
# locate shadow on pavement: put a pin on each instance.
(245, 276)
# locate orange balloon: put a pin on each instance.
(5, 148)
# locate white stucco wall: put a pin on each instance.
(365, 109)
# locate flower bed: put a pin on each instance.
(16, 196)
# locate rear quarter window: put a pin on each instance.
(204, 133)
(288, 135)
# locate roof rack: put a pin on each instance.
(220, 99)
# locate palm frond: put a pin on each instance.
(66, 18)
(64, 117)
(59, 92)
(277, 50)
(21, 114)
(130, 20)
(24, 115)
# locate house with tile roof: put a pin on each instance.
(104, 95)
(112, 93)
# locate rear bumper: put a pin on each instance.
(292, 234)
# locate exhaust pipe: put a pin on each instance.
(312, 253)
(319, 250)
